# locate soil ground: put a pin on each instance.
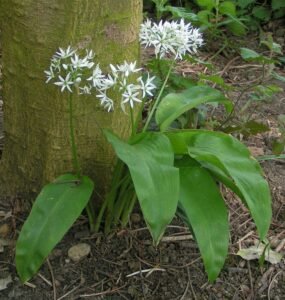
(125, 265)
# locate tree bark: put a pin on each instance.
(37, 145)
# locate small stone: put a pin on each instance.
(242, 263)
(79, 251)
(245, 289)
(57, 252)
(135, 218)
(4, 230)
(256, 151)
(57, 283)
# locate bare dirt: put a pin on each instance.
(125, 265)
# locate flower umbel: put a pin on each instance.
(122, 81)
(170, 38)
(69, 70)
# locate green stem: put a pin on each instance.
(158, 98)
(123, 197)
(111, 196)
(72, 139)
(128, 210)
(133, 122)
(90, 213)
(76, 167)
(138, 117)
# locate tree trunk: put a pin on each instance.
(37, 145)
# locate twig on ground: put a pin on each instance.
(177, 238)
(190, 283)
(71, 291)
(103, 293)
(271, 283)
(145, 262)
(280, 246)
(52, 279)
(184, 266)
(264, 279)
(33, 286)
(44, 279)
(243, 238)
(227, 66)
(186, 291)
(148, 271)
(250, 278)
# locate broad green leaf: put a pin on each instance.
(181, 12)
(208, 4)
(275, 47)
(56, 208)
(251, 55)
(204, 17)
(227, 8)
(278, 76)
(150, 160)
(204, 208)
(236, 28)
(214, 79)
(278, 146)
(233, 159)
(277, 4)
(249, 128)
(244, 3)
(261, 13)
(279, 13)
(248, 54)
(175, 104)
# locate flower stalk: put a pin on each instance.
(158, 97)
(75, 162)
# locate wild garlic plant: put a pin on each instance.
(175, 171)
(169, 171)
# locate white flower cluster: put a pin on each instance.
(68, 70)
(122, 80)
(170, 38)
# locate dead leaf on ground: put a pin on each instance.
(4, 282)
(255, 252)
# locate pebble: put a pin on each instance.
(4, 230)
(79, 251)
(135, 218)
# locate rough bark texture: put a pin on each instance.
(37, 146)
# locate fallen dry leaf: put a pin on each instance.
(4, 282)
(255, 252)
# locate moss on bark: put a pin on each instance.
(37, 146)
